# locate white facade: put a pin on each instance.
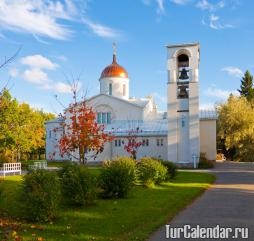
(173, 135)
(115, 86)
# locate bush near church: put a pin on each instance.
(40, 195)
(118, 177)
(77, 184)
(204, 162)
(171, 168)
(151, 171)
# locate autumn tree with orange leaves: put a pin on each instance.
(81, 133)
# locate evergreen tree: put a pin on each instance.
(246, 88)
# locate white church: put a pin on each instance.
(180, 134)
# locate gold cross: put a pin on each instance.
(114, 48)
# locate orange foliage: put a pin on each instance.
(81, 133)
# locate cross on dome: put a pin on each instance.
(114, 69)
(114, 48)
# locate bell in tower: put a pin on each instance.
(183, 74)
(183, 93)
(183, 65)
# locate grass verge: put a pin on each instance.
(134, 218)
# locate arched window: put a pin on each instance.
(103, 117)
(110, 89)
(124, 90)
(183, 60)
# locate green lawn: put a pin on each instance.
(134, 218)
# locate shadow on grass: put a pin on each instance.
(133, 218)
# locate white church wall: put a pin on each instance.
(183, 104)
(53, 135)
(105, 155)
(120, 87)
(194, 133)
(208, 138)
(121, 110)
(157, 147)
(172, 122)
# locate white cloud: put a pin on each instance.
(205, 5)
(62, 58)
(215, 23)
(35, 76)
(62, 87)
(207, 106)
(160, 4)
(159, 98)
(101, 30)
(38, 106)
(233, 71)
(180, 2)
(13, 72)
(48, 18)
(213, 20)
(59, 87)
(213, 91)
(37, 17)
(38, 61)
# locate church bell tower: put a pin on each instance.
(183, 103)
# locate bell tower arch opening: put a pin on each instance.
(183, 76)
(183, 60)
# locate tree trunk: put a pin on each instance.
(134, 155)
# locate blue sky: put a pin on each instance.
(67, 39)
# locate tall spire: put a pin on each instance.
(114, 53)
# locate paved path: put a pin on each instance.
(229, 202)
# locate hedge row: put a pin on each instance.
(43, 191)
(120, 174)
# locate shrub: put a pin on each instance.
(41, 195)
(1, 190)
(171, 169)
(117, 177)
(151, 171)
(77, 184)
(204, 163)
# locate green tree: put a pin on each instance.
(236, 127)
(246, 88)
(38, 149)
(8, 116)
(22, 130)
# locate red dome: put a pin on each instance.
(114, 70)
